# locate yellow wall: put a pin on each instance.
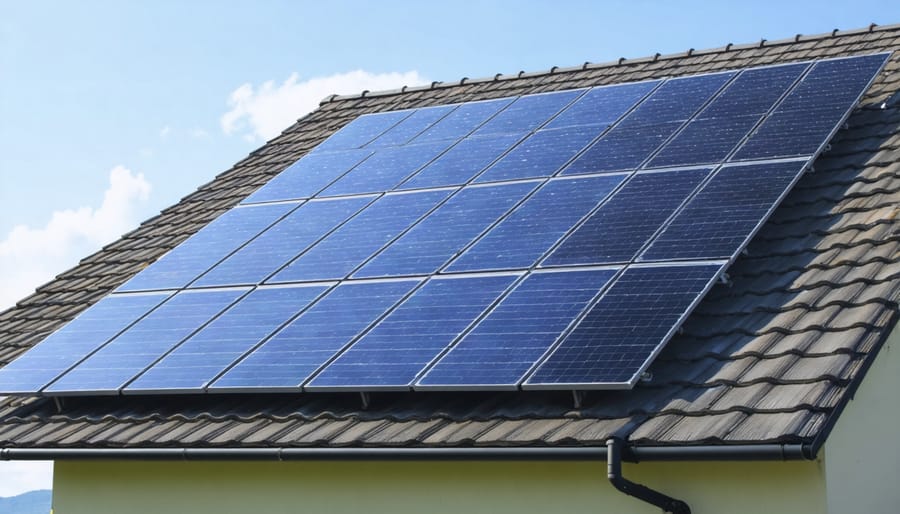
(427, 487)
(862, 454)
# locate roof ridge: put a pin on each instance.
(587, 65)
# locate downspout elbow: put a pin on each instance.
(641, 492)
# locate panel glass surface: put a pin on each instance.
(444, 233)
(289, 358)
(463, 120)
(539, 222)
(112, 366)
(621, 333)
(308, 176)
(717, 222)
(362, 130)
(207, 353)
(207, 247)
(528, 113)
(506, 344)
(602, 106)
(626, 222)
(74, 341)
(543, 154)
(462, 162)
(412, 126)
(346, 248)
(397, 349)
(282, 242)
(386, 169)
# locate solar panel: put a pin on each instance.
(199, 359)
(620, 334)
(504, 345)
(206, 248)
(528, 232)
(397, 349)
(131, 352)
(548, 241)
(288, 359)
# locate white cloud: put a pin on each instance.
(31, 256)
(263, 112)
(164, 132)
(20, 477)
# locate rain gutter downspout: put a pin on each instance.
(641, 492)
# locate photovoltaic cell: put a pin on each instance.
(200, 358)
(445, 232)
(77, 339)
(527, 113)
(641, 132)
(718, 129)
(362, 130)
(112, 366)
(308, 176)
(406, 130)
(463, 120)
(517, 332)
(542, 154)
(207, 247)
(532, 229)
(282, 242)
(290, 357)
(346, 248)
(716, 223)
(602, 106)
(807, 116)
(622, 332)
(391, 355)
(462, 162)
(386, 169)
(626, 222)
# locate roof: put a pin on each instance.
(770, 359)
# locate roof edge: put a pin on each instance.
(762, 452)
(730, 47)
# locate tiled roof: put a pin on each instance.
(769, 359)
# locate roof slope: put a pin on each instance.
(772, 358)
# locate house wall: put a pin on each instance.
(862, 454)
(437, 487)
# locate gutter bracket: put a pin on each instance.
(641, 492)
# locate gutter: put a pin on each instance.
(764, 452)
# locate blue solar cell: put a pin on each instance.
(308, 176)
(705, 141)
(806, 117)
(120, 360)
(207, 353)
(603, 105)
(542, 154)
(528, 113)
(349, 246)
(677, 99)
(282, 242)
(463, 120)
(419, 121)
(445, 232)
(624, 224)
(401, 345)
(754, 91)
(717, 222)
(290, 357)
(362, 130)
(207, 247)
(533, 228)
(387, 168)
(626, 328)
(462, 162)
(622, 149)
(74, 341)
(517, 332)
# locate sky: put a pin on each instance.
(112, 111)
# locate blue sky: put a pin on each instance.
(111, 111)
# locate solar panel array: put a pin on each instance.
(547, 241)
